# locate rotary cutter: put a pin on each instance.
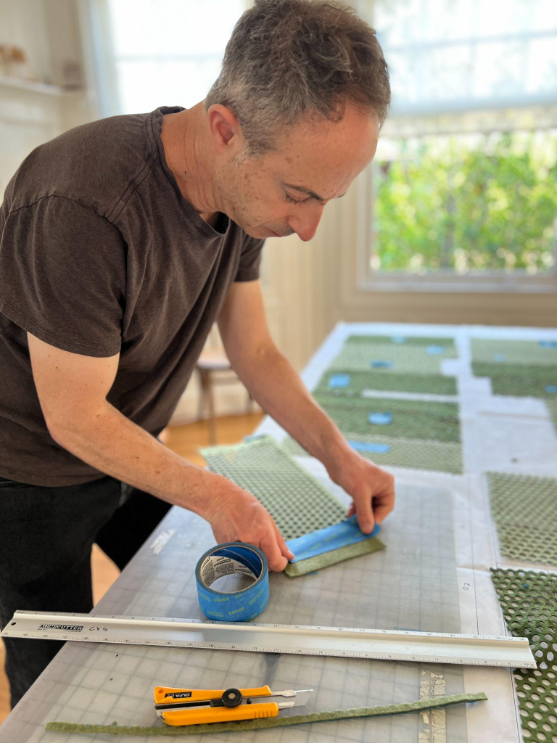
(197, 706)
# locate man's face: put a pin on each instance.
(285, 190)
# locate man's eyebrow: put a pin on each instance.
(308, 192)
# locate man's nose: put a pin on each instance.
(306, 224)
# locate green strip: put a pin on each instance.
(380, 379)
(270, 722)
(410, 340)
(319, 562)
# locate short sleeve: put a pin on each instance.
(62, 276)
(250, 258)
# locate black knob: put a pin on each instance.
(232, 697)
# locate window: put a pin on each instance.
(463, 185)
(160, 52)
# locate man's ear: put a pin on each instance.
(224, 129)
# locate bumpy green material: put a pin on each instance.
(327, 559)
(412, 419)
(400, 340)
(383, 380)
(296, 500)
(270, 722)
(528, 600)
(438, 456)
(513, 352)
(552, 410)
(404, 359)
(524, 509)
(520, 380)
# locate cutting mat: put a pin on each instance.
(432, 576)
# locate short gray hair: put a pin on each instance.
(291, 58)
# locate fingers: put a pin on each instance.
(269, 546)
(351, 511)
(365, 515)
(285, 551)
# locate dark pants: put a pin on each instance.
(46, 536)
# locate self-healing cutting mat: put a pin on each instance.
(524, 509)
(298, 503)
(528, 600)
(412, 584)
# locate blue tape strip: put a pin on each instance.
(330, 538)
(381, 364)
(368, 447)
(398, 339)
(228, 559)
(380, 419)
(499, 357)
(551, 388)
(547, 344)
(339, 380)
(435, 350)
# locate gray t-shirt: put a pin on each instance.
(101, 254)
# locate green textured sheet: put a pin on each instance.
(404, 359)
(518, 380)
(524, 509)
(270, 722)
(400, 340)
(383, 380)
(434, 421)
(333, 557)
(552, 409)
(438, 456)
(512, 352)
(528, 601)
(298, 503)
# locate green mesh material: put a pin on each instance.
(521, 380)
(524, 509)
(382, 379)
(412, 419)
(552, 410)
(270, 722)
(403, 340)
(297, 501)
(512, 352)
(528, 600)
(405, 359)
(437, 456)
(326, 559)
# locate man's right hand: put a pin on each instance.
(237, 516)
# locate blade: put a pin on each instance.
(297, 698)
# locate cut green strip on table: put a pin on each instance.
(358, 381)
(270, 722)
(412, 419)
(333, 557)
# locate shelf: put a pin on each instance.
(35, 87)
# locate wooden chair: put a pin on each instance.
(213, 367)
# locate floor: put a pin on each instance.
(184, 440)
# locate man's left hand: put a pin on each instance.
(371, 488)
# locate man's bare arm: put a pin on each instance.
(276, 386)
(72, 390)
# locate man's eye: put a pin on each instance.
(295, 201)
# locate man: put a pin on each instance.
(122, 241)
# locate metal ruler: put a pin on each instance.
(406, 645)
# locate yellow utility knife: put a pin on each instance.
(197, 706)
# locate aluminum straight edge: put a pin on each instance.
(431, 647)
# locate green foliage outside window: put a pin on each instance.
(456, 205)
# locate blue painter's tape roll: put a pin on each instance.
(233, 558)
